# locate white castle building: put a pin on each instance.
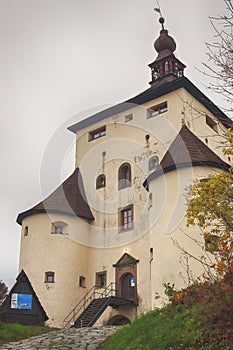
(102, 244)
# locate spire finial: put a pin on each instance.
(161, 19)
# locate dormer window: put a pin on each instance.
(156, 110)
(95, 134)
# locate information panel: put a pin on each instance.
(21, 301)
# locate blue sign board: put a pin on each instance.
(132, 282)
(21, 301)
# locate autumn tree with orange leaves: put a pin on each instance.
(210, 203)
(210, 206)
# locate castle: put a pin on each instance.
(111, 227)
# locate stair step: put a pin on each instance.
(89, 315)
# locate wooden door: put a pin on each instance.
(128, 286)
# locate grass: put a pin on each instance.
(10, 332)
(206, 325)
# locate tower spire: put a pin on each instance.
(161, 19)
(166, 66)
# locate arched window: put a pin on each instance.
(101, 181)
(59, 227)
(124, 176)
(153, 162)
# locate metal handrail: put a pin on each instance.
(86, 300)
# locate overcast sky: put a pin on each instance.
(62, 59)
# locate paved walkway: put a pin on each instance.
(82, 339)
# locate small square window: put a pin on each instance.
(82, 281)
(101, 279)
(58, 230)
(128, 117)
(49, 277)
(211, 123)
(26, 231)
(211, 243)
(95, 134)
(156, 110)
(206, 179)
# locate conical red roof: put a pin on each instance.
(69, 199)
(187, 150)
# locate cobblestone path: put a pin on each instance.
(82, 339)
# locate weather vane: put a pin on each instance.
(161, 19)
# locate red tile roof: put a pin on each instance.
(69, 199)
(187, 150)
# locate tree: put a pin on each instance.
(210, 206)
(220, 55)
(210, 203)
(3, 291)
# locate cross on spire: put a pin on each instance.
(161, 19)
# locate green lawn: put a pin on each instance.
(176, 328)
(13, 331)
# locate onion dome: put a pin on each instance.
(164, 41)
(166, 66)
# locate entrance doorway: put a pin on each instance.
(126, 278)
(127, 283)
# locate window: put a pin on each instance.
(100, 181)
(26, 231)
(153, 111)
(124, 176)
(49, 277)
(211, 243)
(205, 179)
(153, 162)
(126, 218)
(58, 227)
(93, 135)
(211, 123)
(128, 117)
(101, 279)
(82, 281)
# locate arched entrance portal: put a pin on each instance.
(127, 286)
(126, 277)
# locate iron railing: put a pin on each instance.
(93, 293)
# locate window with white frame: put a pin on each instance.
(96, 134)
(156, 110)
(126, 218)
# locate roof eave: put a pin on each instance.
(150, 94)
(30, 212)
(157, 173)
